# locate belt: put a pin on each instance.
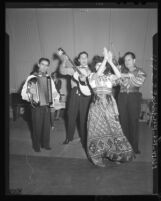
(99, 97)
(129, 90)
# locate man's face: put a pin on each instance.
(43, 66)
(129, 62)
(83, 60)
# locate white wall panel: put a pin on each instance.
(91, 30)
(39, 32)
(24, 43)
(55, 27)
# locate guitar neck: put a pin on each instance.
(73, 65)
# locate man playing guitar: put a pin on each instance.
(80, 96)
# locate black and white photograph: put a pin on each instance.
(81, 98)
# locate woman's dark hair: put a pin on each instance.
(98, 59)
(44, 59)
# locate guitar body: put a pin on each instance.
(84, 89)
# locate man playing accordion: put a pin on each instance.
(39, 89)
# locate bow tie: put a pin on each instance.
(83, 66)
(43, 74)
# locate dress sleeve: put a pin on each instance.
(114, 79)
(91, 79)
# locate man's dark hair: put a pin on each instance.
(84, 52)
(44, 59)
(129, 53)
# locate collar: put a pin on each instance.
(40, 74)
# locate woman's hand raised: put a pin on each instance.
(107, 55)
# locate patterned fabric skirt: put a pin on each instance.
(105, 139)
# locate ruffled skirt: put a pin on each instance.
(105, 138)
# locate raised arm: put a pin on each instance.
(103, 65)
(137, 79)
(65, 69)
(115, 69)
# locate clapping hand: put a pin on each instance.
(107, 55)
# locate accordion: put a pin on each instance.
(42, 91)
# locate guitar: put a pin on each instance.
(84, 88)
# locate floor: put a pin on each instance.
(65, 170)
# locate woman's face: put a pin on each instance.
(97, 65)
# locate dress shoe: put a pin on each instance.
(36, 150)
(66, 141)
(47, 148)
(138, 152)
(101, 165)
(118, 162)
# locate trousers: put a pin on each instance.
(129, 106)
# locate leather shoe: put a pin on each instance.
(47, 148)
(138, 152)
(66, 141)
(36, 150)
